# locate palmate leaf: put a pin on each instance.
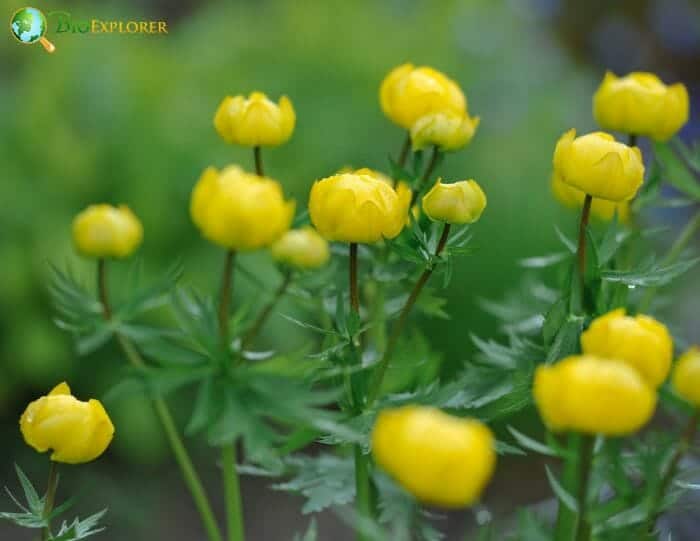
(80, 529)
(678, 168)
(137, 298)
(651, 274)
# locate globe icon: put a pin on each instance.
(28, 25)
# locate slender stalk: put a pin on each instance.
(257, 155)
(257, 325)
(225, 297)
(585, 461)
(405, 148)
(566, 518)
(354, 292)
(585, 216)
(182, 457)
(426, 175)
(672, 256)
(51, 487)
(383, 364)
(363, 489)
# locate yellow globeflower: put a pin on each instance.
(239, 210)
(447, 130)
(686, 376)
(409, 93)
(75, 431)
(593, 395)
(598, 165)
(255, 121)
(640, 341)
(600, 208)
(641, 104)
(301, 248)
(107, 231)
(442, 460)
(457, 203)
(358, 207)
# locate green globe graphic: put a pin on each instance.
(28, 25)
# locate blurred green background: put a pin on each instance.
(128, 119)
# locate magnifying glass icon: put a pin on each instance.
(28, 25)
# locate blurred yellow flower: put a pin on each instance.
(640, 341)
(409, 93)
(358, 207)
(239, 210)
(598, 165)
(457, 203)
(302, 248)
(447, 130)
(442, 460)
(686, 376)
(641, 104)
(255, 121)
(75, 431)
(591, 395)
(600, 208)
(107, 231)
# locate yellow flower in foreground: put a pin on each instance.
(600, 208)
(301, 248)
(409, 93)
(107, 231)
(358, 207)
(641, 104)
(686, 376)
(255, 121)
(440, 459)
(75, 431)
(598, 165)
(640, 341)
(593, 395)
(239, 210)
(457, 203)
(449, 131)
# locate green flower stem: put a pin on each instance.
(363, 489)
(257, 325)
(376, 384)
(566, 518)
(51, 487)
(581, 252)
(232, 489)
(683, 446)
(354, 292)
(189, 473)
(405, 149)
(672, 256)
(257, 155)
(426, 175)
(585, 461)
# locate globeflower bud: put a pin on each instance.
(686, 376)
(239, 210)
(449, 131)
(75, 431)
(255, 121)
(107, 231)
(457, 203)
(442, 460)
(641, 104)
(599, 166)
(591, 395)
(358, 207)
(409, 93)
(301, 248)
(640, 341)
(600, 208)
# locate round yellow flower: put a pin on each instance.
(409, 93)
(255, 121)
(358, 207)
(588, 394)
(686, 376)
(640, 341)
(75, 431)
(598, 165)
(442, 460)
(600, 208)
(239, 210)
(301, 248)
(107, 231)
(449, 131)
(641, 104)
(457, 203)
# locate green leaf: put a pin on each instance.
(544, 261)
(561, 493)
(35, 503)
(675, 171)
(531, 444)
(311, 533)
(80, 529)
(555, 318)
(651, 276)
(566, 341)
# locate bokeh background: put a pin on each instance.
(128, 119)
